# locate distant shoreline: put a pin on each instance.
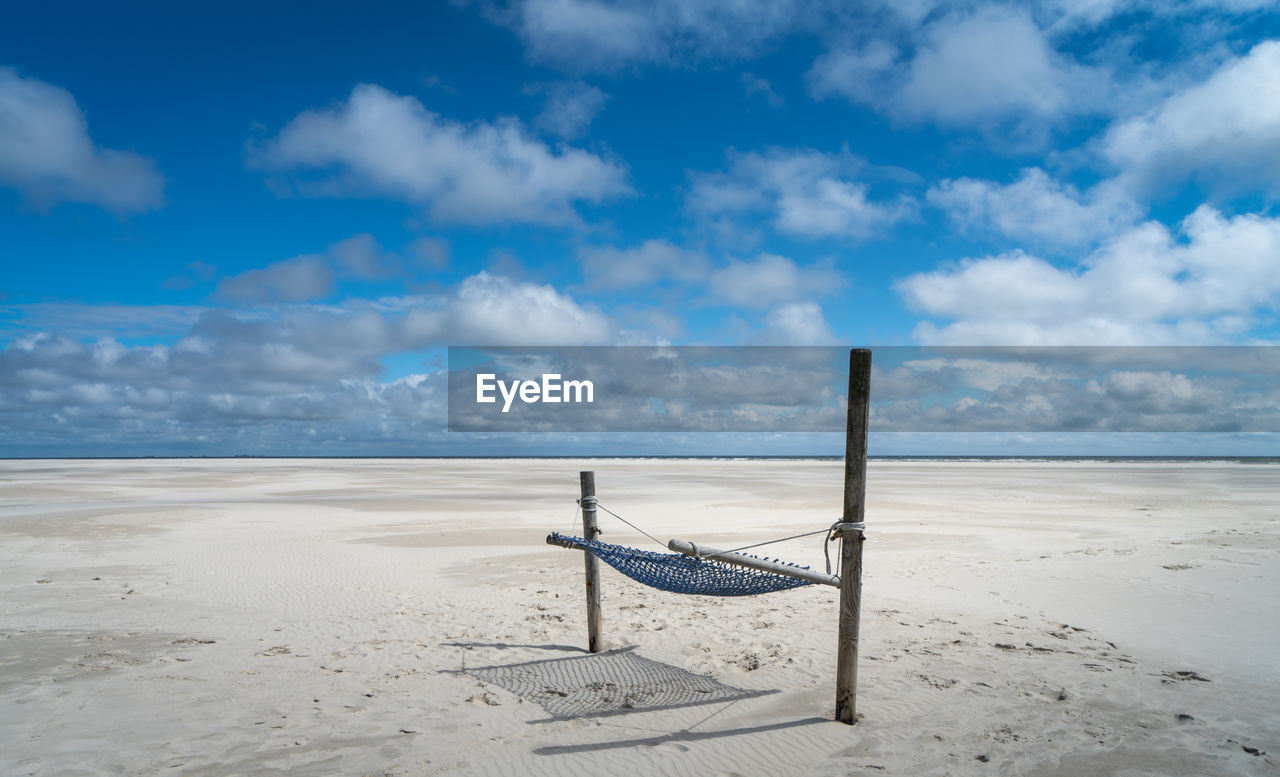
(906, 458)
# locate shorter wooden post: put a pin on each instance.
(855, 491)
(595, 640)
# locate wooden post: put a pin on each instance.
(589, 532)
(851, 537)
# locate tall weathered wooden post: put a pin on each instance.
(851, 534)
(590, 531)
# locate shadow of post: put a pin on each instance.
(676, 736)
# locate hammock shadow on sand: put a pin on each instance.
(616, 682)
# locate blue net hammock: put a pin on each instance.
(682, 574)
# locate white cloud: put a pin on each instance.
(360, 256)
(230, 383)
(46, 153)
(644, 325)
(995, 64)
(311, 276)
(589, 34)
(650, 263)
(989, 68)
(1112, 399)
(755, 85)
(808, 193)
(1036, 207)
(1144, 286)
(570, 107)
(858, 74)
(772, 280)
(986, 374)
(105, 321)
(268, 371)
(1225, 131)
(432, 252)
(507, 265)
(379, 143)
(800, 323)
(489, 309)
(601, 35)
(292, 280)
(1073, 13)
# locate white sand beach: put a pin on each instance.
(405, 617)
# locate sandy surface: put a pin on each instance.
(267, 617)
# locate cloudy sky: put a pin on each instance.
(257, 231)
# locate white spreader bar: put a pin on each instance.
(764, 565)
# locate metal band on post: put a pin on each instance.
(589, 502)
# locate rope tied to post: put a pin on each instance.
(590, 503)
(837, 529)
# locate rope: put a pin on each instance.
(784, 539)
(574, 526)
(588, 502)
(629, 523)
(840, 525)
(826, 554)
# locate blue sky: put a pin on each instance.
(257, 231)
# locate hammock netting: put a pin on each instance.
(682, 574)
